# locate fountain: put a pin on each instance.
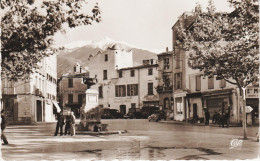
(90, 113)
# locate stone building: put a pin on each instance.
(71, 89)
(192, 92)
(122, 85)
(165, 81)
(31, 100)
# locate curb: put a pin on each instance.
(100, 133)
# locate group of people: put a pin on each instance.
(69, 121)
(222, 118)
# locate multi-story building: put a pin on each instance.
(165, 80)
(135, 87)
(192, 92)
(72, 90)
(120, 84)
(31, 100)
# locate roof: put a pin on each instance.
(165, 53)
(140, 66)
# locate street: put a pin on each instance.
(144, 140)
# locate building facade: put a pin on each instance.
(193, 93)
(71, 90)
(31, 100)
(165, 81)
(122, 85)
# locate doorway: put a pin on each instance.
(195, 110)
(39, 110)
(123, 109)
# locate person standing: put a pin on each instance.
(73, 121)
(3, 126)
(60, 123)
(67, 124)
(207, 116)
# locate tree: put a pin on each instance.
(224, 44)
(28, 27)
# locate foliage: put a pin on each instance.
(28, 27)
(224, 44)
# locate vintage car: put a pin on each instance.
(154, 117)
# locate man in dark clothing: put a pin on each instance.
(3, 126)
(67, 125)
(60, 124)
(207, 116)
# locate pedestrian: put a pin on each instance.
(227, 117)
(67, 124)
(3, 126)
(72, 125)
(207, 116)
(60, 123)
(215, 118)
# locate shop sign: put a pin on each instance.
(73, 91)
(249, 109)
(252, 92)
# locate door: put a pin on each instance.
(123, 109)
(39, 110)
(195, 110)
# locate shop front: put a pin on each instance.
(220, 101)
(179, 106)
(252, 100)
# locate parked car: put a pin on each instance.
(154, 117)
(116, 114)
(107, 113)
(157, 115)
(133, 113)
(148, 110)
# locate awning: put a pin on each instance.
(249, 109)
(57, 106)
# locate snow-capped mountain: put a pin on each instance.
(104, 44)
(81, 50)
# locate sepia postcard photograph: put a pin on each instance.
(129, 80)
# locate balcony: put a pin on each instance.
(161, 89)
(38, 92)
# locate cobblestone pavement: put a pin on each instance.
(144, 140)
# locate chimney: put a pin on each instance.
(167, 49)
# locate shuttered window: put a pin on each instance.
(222, 83)
(132, 89)
(210, 82)
(198, 83)
(120, 91)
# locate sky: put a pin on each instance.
(143, 23)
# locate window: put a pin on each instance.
(132, 89)
(166, 63)
(198, 82)
(70, 98)
(104, 74)
(133, 105)
(132, 73)
(120, 73)
(178, 80)
(150, 88)
(120, 91)
(106, 57)
(166, 81)
(210, 82)
(150, 71)
(100, 92)
(70, 83)
(80, 98)
(222, 83)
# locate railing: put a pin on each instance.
(160, 89)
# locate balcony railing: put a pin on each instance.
(160, 89)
